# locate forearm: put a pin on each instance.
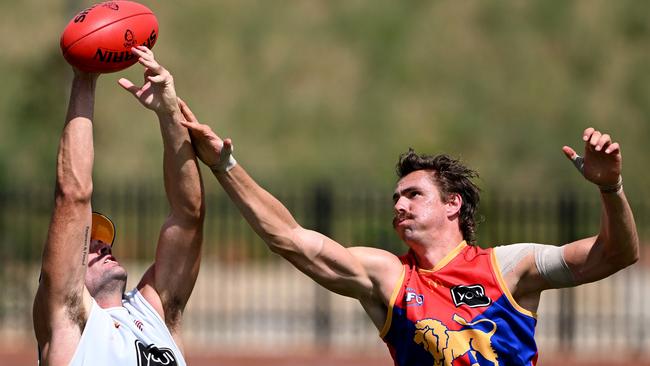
(618, 229)
(179, 244)
(267, 216)
(65, 252)
(180, 169)
(76, 152)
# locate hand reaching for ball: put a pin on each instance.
(157, 92)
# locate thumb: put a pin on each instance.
(577, 160)
(128, 85)
(569, 152)
(227, 147)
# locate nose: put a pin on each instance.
(400, 205)
(106, 249)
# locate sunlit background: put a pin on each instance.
(320, 97)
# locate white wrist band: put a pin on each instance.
(224, 166)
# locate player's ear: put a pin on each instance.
(453, 204)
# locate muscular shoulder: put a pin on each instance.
(382, 267)
(385, 270)
(375, 259)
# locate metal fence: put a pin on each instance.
(248, 298)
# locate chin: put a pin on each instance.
(110, 281)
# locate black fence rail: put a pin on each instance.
(245, 295)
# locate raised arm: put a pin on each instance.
(366, 274)
(62, 304)
(169, 282)
(617, 244)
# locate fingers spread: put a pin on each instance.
(146, 58)
(157, 79)
(128, 85)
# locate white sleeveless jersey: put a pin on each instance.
(131, 335)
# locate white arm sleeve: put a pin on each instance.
(549, 261)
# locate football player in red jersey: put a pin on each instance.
(446, 301)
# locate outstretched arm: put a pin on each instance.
(590, 259)
(366, 274)
(617, 244)
(169, 282)
(62, 304)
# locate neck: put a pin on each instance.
(108, 301)
(109, 296)
(431, 253)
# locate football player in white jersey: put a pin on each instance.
(81, 292)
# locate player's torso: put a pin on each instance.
(131, 335)
(459, 313)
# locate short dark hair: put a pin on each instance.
(450, 176)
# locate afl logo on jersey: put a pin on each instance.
(154, 356)
(472, 296)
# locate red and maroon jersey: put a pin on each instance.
(459, 313)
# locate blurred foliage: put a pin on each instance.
(335, 90)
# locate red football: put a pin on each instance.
(99, 38)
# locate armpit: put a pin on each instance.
(75, 311)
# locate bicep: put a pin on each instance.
(588, 260)
(175, 270)
(573, 264)
(62, 296)
(327, 262)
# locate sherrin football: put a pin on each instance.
(99, 38)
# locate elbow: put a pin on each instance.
(623, 260)
(281, 243)
(195, 211)
(194, 202)
(635, 253)
(73, 193)
(635, 256)
(293, 243)
(191, 210)
(279, 246)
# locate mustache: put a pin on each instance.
(401, 216)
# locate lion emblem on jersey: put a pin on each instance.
(447, 345)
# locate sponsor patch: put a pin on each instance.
(471, 295)
(154, 356)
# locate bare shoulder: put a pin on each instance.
(58, 328)
(383, 267)
(385, 270)
(373, 257)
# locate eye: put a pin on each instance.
(414, 194)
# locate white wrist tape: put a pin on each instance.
(224, 165)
